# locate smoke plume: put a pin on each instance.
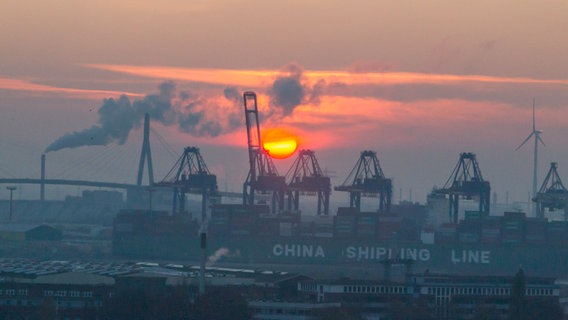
(212, 259)
(290, 90)
(192, 113)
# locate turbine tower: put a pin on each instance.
(536, 134)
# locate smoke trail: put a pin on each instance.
(117, 117)
(212, 259)
(199, 116)
(191, 112)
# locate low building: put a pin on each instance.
(67, 295)
(28, 232)
(436, 296)
(278, 310)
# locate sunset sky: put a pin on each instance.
(418, 82)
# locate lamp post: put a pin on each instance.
(11, 188)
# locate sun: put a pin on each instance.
(279, 143)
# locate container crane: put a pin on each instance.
(367, 179)
(262, 176)
(190, 175)
(305, 175)
(552, 194)
(466, 181)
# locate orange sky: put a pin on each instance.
(259, 78)
(418, 81)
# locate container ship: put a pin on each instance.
(251, 236)
(435, 237)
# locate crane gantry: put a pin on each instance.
(466, 181)
(367, 179)
(190, 175)
(262, 176)
(305, 175)
(552, 194)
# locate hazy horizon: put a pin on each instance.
(418, 83)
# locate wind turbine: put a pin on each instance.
(536, 134)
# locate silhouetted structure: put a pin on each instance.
(305, 175)
(536, 133)
(263, 176)
(517, 308)
(367, 179)
(552, 194)
(466, 181)
(146, 154)
(190, 175)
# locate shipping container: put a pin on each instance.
(472, 215)
(268, 227)
(446, 234)
(390, 219)
(307, 229)
(465, 237)
(513, 215)
(342, 211)
(286, 229)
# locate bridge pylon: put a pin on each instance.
(146, 154)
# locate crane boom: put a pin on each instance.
(262, 175)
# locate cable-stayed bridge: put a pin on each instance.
(145, 166)
(80, 183)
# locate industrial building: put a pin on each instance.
(27, 232)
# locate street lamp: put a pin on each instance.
(11, 188)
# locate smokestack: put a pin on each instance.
(203, 242)
(42, 184)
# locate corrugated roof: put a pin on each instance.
(74, 278)
(13, 227)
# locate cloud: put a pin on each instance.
(27, 86)
(284, 92)
(519, 94)
(257, 79)
(232, 93)
(290, 89)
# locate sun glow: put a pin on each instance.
(279, 143)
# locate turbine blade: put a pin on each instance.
(539, 139)
(527, 139)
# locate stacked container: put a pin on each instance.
(220, 221)
(236, 220)
(367, 225)
(557, 233)
(491, 230)
(244, 221)
(446, 234)
(469, 230)
(344, 225)
(268, 226)
(324, 229)
(513, 225)
(388, 226)
(535, 230)
(307, 229)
